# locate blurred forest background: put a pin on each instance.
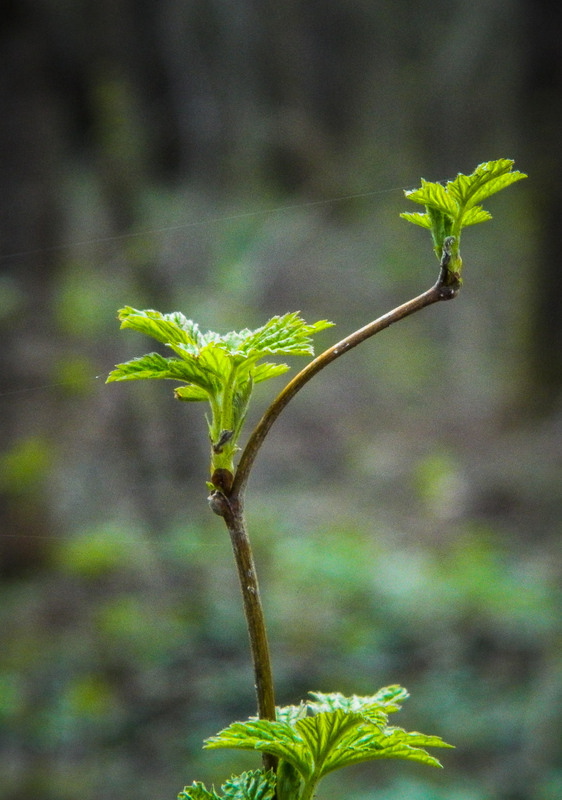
(233, 160)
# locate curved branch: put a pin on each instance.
(446, 288)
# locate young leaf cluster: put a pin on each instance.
(450, 208)
(254, 785)
(219, 369)
(323, 734)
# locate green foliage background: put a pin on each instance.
(406, 508)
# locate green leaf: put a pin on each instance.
(155, 366)
(278, 738)
(434, 195)
(486, 180)
(240, 402)
(288, 335)
(474, 215)
(152, 365)
(262, 372)
(385, 700)
(253, 785)
(417, 218)
(165, 328)
(291, 714)
(371, 744)
(340, 738)
(197, 791)
(191, 393)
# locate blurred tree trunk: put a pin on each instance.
(29, 233)
(541, 117)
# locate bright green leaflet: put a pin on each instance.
(219, 369)
(450, 208)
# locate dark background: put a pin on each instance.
(234, 160)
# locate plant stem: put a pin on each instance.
(446, 288)
(231, 509)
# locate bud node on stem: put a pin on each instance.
(218, 503)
